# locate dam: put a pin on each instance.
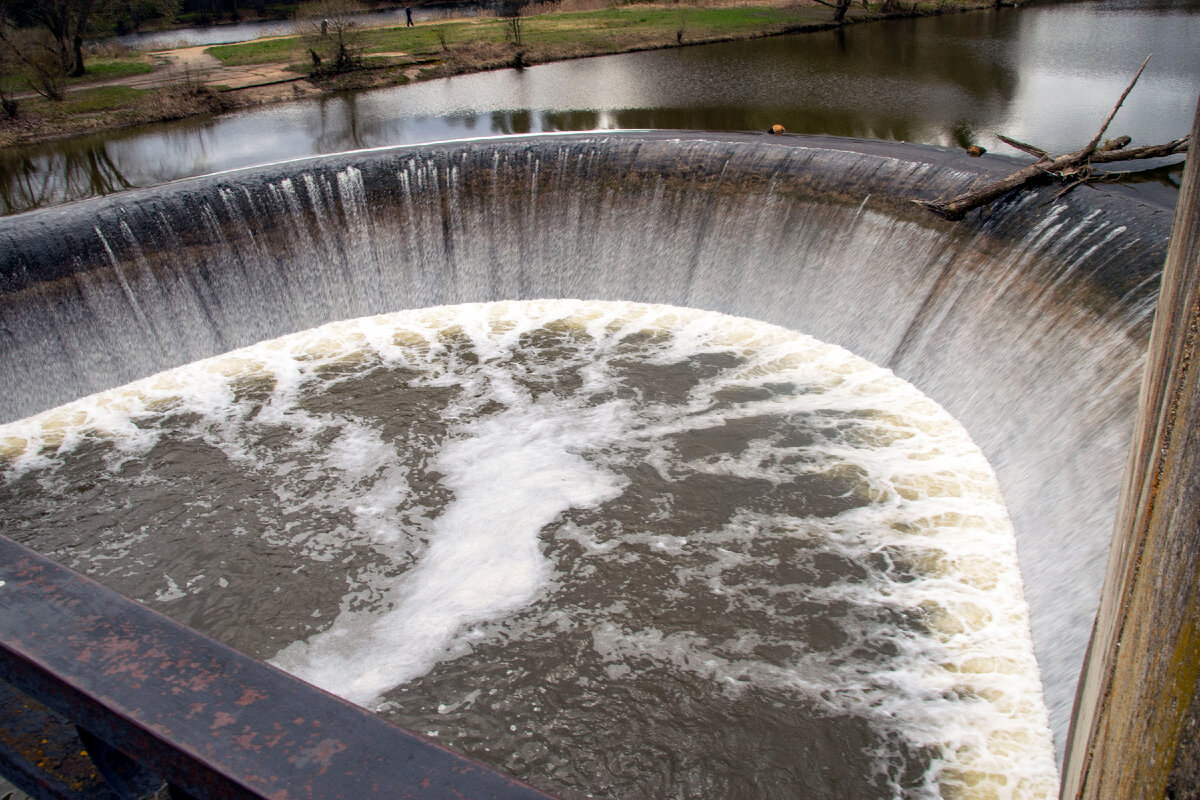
(1028, 324)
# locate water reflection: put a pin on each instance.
(1168, 176)
(520, 122)
(1047, 74)
(339, 124)
(82, 168)
(1075, 60)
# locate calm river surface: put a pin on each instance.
(1047, 75)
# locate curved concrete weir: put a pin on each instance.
(1028, 322)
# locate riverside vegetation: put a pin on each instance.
(333, 51)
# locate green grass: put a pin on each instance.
(267, 51)
(698, 22)
(103, 69)
(609, 30)
(422, 40)
(417, 41)
(562, 34)
(102, 98)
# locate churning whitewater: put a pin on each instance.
(615, 549)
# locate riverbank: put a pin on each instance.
(196, 81)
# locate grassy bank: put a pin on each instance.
(554, 36)
(107, 107)
(397, 55)
(468, 45)
(104, 69)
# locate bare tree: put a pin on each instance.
(66, 23)
(840, 7)
(331, 32)
(30, 56)
(513, 13)
(10, 73)
(510, 11)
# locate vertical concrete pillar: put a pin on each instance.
(1134, 730)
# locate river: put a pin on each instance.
(1046, 75)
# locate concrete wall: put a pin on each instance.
(1135, 731)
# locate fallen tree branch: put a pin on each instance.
(1149, 151)
(1025, 148)
(1070, 166)
(1091, 147)
(1071, 186)
(1074, 168)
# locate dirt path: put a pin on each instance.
(192, 63)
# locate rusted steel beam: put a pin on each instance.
(211, 721)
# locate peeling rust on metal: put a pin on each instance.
(212, 722)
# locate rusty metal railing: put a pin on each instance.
(103, 698)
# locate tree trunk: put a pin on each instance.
(77, 57)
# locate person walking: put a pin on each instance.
(408, 23)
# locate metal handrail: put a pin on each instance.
(154, 698)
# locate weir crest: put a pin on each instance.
(1028, 323)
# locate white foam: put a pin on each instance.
(517, 457)
(512, 474)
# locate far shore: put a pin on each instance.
(132, 88)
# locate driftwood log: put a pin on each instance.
(1073, 168)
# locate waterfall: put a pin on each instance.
(1028, 323)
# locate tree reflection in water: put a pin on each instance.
(70, 173)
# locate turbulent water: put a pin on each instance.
(1027, 322)
(616, 549)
